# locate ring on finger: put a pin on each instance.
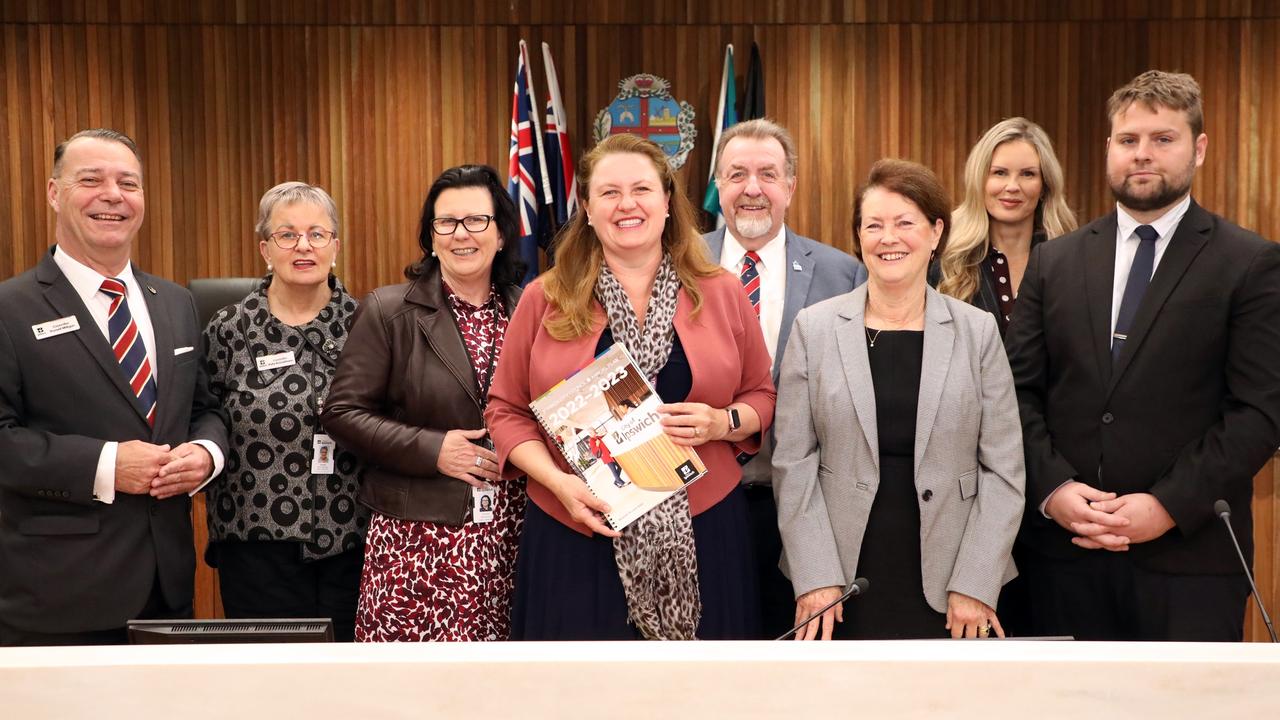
(697, 432)
(985, 630)
(479, 462)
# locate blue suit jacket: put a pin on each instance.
(817, 272)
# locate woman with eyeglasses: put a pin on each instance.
(409, 398)
(285, 531)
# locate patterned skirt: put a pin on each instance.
(427, 581)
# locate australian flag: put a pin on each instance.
(527, 168)
(560, 179)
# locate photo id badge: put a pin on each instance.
(482, 499)
(322, 448)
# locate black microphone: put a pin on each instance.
(1223, 510)
(858, 587)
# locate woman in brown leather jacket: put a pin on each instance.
(408, 399)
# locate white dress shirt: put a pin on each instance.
(773, 280)
(1127, 242)
(87, 283)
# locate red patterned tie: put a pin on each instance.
(750, 277)
(129, 349)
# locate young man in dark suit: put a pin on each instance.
(782, 272)
(1144, 348)
(106, 422)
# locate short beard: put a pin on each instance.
(752, 228)
(1164, 195)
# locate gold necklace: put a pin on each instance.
(872, 338)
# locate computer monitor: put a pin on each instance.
(192, 632)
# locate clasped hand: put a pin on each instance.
(1104, 521)
(160, 471)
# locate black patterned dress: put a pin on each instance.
(288, 542)
(428, 581)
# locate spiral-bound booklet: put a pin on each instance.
(604, 419)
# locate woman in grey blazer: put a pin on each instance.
(899, 455)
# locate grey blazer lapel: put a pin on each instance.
(939, 340)
(65, 301)
(851, 341)
(799, 275)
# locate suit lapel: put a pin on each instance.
(65, 301)
(715, 244)
(1187, 242)
(851, 340)
(162, 327)
(939, 339)
(1099, 281)
(441, 334)
(798, 274)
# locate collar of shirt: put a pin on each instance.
(1127, 246)
(1165, 225)
(87, 283)
(773, 254)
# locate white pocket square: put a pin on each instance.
(182, 351)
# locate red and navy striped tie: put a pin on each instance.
(129, 349)
(750, 277)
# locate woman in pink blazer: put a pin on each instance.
(631, 267)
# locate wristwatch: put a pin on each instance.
(735, 422)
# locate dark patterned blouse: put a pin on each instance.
(267, 491)
(482, 328)
(998, 267)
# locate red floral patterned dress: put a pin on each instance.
(427, 581)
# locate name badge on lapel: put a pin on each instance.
(53, 328)
(279, 360)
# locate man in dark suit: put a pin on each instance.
(1144, 347)
(106, 422)
(781, 272)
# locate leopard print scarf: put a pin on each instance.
(657, 562)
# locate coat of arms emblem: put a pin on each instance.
(644, 106)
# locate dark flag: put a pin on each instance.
(753, 93)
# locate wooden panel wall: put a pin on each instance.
(372, 99)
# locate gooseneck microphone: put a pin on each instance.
(1223, 510)
(857, 587)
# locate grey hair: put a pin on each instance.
(98, 134)
(290, 193)
(760, 129)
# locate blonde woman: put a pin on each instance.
(1013, 200)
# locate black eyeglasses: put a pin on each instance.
(473, 223)
(288, 239)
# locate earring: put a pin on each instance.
(268, 266)
(433, 252)
(588, 220)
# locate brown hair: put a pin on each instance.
(106, 134)
(570, 285)
(1156, 88)
(912, 181)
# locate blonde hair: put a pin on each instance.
(570, 284)
(970, 223)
